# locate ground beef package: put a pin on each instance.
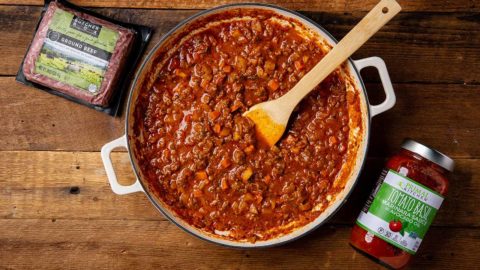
(83, 56)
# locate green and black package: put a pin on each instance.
(83, 56)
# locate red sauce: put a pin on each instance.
(421, 171)
(202, 157)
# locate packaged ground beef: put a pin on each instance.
(83, 56)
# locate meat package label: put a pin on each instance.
(85, 26)
(76, 52)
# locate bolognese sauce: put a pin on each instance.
(202, 157)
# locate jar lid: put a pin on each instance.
(433, 155)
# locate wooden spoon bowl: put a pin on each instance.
(271, 117)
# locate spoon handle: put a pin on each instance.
(383, 12)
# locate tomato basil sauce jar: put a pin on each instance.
(403, 204)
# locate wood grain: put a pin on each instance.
(40, 121)
(125, 244)
(417, 47)
(319, 5)
(57, 210)
(37, 120)
(65, 185)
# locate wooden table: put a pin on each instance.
(57, 209)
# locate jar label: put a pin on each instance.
(400, 211)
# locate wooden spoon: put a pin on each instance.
(271, 117)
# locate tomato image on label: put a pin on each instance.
(395, 225)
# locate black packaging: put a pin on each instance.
(83, 56)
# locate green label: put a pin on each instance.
(76, 51)
(400, 211)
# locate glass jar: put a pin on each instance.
(403, 204)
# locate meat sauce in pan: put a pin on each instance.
(201, 156)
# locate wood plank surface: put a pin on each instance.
(40, 121)
(313, 5)
(425, 47)
(125, 244)
(57, 210)
(65, 185)
(34, 119)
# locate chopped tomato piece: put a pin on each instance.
(197, 193)
(225, 163)
(235, 106)
(227, 69)
(201, 175)
(267, 179)
(273, 85)
(213, 115)
(225, 132)
(246, 174)
(180, 73)
(249, 149)
(236, 136)
(224, 184)
(332, 140)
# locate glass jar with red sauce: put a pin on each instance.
(403, 204)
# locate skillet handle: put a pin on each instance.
(390, 99)
(112, 177)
